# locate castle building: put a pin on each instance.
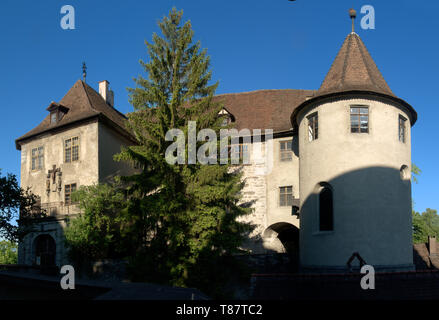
(339, 185)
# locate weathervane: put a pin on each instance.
(84, 71)
(353, 15)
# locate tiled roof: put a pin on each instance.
(264, 109)
(422, 257)
(354, 69)
(82, 102)
(353, 72)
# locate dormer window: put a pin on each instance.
(227, 117)
(57, 112)
(53, 117)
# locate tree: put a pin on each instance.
(8, 252)
(416, 171)
(185, 217)
(96, 233)
(424, 225)
(16, 204)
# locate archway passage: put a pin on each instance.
(288, 235)
(45, 251)
(285, 239)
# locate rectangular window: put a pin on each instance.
(359, 119)
(71, 149)
(286, 196)
(286, 148)
(68, 190)
(37, 158)
(53, 117)
(313, 126)
(402, 124)
(240, 154)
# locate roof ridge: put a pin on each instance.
(260, 90)
(345, 62)
(88, 97)
(363, 48)
(365, 63)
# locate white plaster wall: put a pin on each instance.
(372, 204)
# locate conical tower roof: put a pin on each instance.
(353, 72)
(354, 69)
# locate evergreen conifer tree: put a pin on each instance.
(185, 224)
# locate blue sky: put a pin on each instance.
(264, 44)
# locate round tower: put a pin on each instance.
(355, 163)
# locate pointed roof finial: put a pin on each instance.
(84, 71)
(353, 15)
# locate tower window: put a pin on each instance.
(326, 210)
(286, 196)
(401, 131)
(68, 190)
(313, 126)
(71, 149)
(37, 158)
(359, 119)
(286, 153)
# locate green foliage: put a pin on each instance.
(97, 232)
(416, 172)
(184, 216)
(424, 225)
(177, 224)
(16, 203)
(8, 252)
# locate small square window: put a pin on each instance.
(286, 196)
(240, 154)
(68, 190)
(359, 119)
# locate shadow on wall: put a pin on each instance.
(366, 211)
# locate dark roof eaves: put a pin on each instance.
(61, 127)
(294, 114)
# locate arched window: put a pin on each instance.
(326, 209)
(45, 250)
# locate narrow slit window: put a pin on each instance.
(313, 127)
(286, 196)
(359, 119)
(286, 153)
(326, 210)
(402, 129)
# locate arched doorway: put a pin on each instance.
(45, 250)
(283, 238)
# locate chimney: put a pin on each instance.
(106, 93)
(432, 245)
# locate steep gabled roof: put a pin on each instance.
(263, 109)
(354, 69)
(81, 102)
